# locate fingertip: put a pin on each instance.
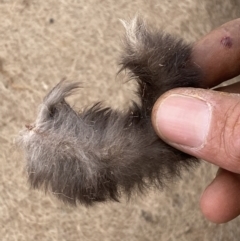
(182, 119)
(220, 201)
(154, 114)
(211, 207)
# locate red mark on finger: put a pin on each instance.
(227, 42)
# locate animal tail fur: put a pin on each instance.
(101, 153)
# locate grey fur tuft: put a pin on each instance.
(101, 153)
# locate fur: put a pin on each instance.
(100, 154)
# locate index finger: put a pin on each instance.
(218, 54)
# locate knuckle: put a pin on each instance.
(230, 135)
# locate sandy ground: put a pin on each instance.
(42, 42)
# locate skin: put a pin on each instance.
(218, 56)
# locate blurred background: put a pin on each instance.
(42, 42)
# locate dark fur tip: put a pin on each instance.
(100, 154)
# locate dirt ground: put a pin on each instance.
(42, 42)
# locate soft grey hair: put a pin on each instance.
(101, 153)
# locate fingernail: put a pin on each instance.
(183, 120)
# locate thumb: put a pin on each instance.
(203, 123)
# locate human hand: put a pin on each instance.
(206, 123)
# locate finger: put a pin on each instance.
(218, 54)
(203, 123)
(220, 201)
